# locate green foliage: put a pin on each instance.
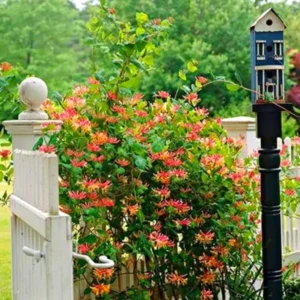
(292, 289)
(153, 183)
(44, 38)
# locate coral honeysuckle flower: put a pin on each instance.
(104, 273)
(160, 240)
(221, 250)
(110, 119)
(93, 147)
(122, 162)
(179, 206)
(207, 278)
(179, 173)
(112, 11)
(164, 192)
(93, 81)
(285, 163)
(6, 153)
(72, 102)
(65, 208)
(201, 79)
(77, 195)
(47, 148)
(90, 184)
(173, 162)
(290, 192)
(96, 158)
(132, 210)
(104, 185)
(136, 98)
(205, 237)
(112, 96)
(164, 177)
(207, 295)
(185, 222)
(101, 289)
(5, 66)
(80, 90)
(141, 113)
(104, 202)
(144, 276)
(78, 164)
(162, 94)
(202, 111)
(113, 140)
(99, 138)
(176, 279)
(84, 248)
(192, 98)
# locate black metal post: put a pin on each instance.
(268, 130)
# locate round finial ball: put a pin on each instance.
(33, 92)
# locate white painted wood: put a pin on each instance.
(288, 143)
(38, 224)
(261, 24)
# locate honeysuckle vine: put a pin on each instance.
(158, 187)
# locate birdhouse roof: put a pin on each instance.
(270, 14)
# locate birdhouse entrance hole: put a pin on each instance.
(269, 48)
(269, 22)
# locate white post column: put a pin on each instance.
(242, 127)
(28, 128)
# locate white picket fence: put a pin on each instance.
(42, 266)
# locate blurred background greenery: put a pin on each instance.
(50, 39)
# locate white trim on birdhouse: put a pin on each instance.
(269, 21)
(269, 67)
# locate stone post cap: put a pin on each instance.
(33, 92)
(239, 123)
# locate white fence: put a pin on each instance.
(42, 266)
(246, 127)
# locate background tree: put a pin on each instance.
(44, 38)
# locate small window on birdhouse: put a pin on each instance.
(260, 50)
(278, 51)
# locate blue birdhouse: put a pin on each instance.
(267, 58)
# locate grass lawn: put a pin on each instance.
(5, 272)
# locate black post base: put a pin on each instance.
(268, 130)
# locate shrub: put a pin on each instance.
(158, 185)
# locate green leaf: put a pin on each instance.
(141, 18)
(191, 67)
(102, 2)
(140, 31)
(132, 83)
(99, 76)
(149, 60)
(268, 97)
(297, 110)
(186, 89)
(140, 216)
(38, 143)
(120, 171)
(140, 162)
(204, 177)
(158, 145)
(182, 75)
(232, 87)
(2, 168)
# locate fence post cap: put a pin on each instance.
(240, 119)
(33, 92)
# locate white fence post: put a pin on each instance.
(41, 243)
(27, 130)
(242, 127)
